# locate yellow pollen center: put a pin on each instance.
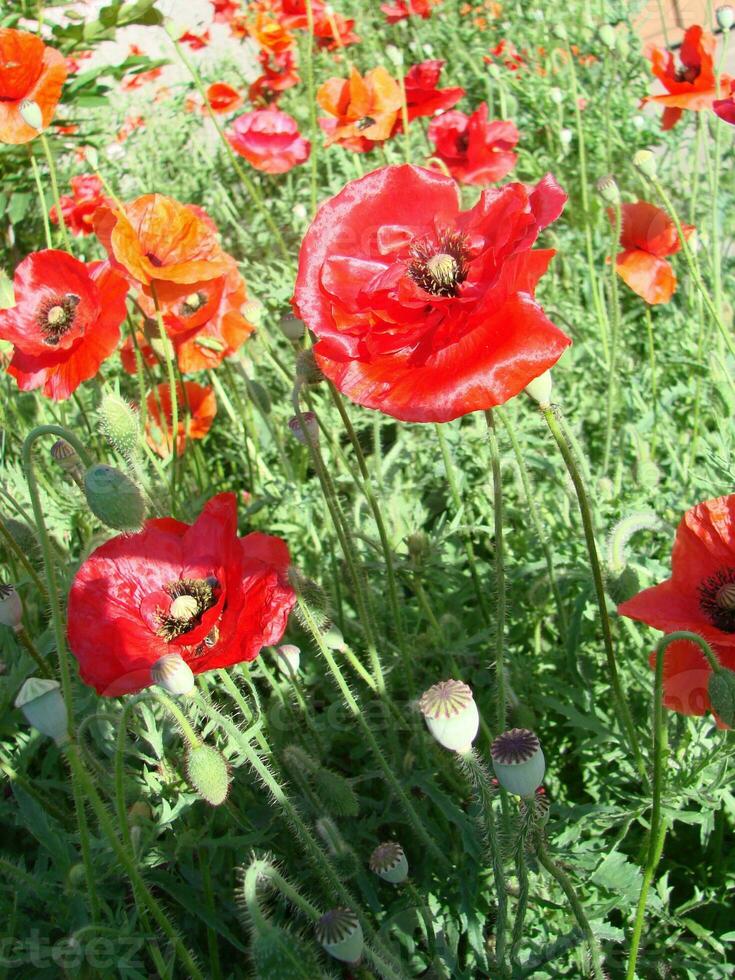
(184, 607)
(725, 598)
(442, 268)
(55, 315)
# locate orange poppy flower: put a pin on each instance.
(198, 407)
(223, 98)
(690, 85)
(365, 109)
(156, 239)
(648, 235)
(30, 84)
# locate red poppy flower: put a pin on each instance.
(423, 98)
(78, 208)
(402, 9)
(686, 677)
(65, 323)
(32, 75)
(725, 108)
(197, 409)
(157, 239)
(123, 614)
(365, 109)
(223, 98)
(424, 311)
(195, 41)
(475, 151)
(690, 85)
(279, 74)
(648, 235)
(269, 140)
(700, 595)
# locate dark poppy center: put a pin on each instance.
(190, 599)
(439, 266)
(193, 302)
(55, 317)
(717, 599)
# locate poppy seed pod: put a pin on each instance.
(340, 933)
(451, 715)
(30, 113)
(114, 498)
(540, 389)
(518, 761)
(388, 861)
(44, 708)
(309, 433)
(172, 673)
(11, 608)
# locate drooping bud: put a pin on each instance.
(309, 433)
(388, 860)
(208, 774)
(288, 659)
(11, 608)
(518, 761)
(644, 162)
(30, 113)
(340, 933)
(44, 708)
(725, 16)
(173, 674)
(114, 498)
(607, 36)
(120, 424)
(451, 715)
(293, 328)
(540, 389)
(608, 189)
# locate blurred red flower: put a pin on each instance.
(120, 618)
(269, 140)
(686, 677)
(223, 98)
(401, 9)
(32, 76)
(648, 235)
(725, 108)
(421, 310)
(474, 150)
(197, 409)
(65, 323)
(423, 98)
(365, 109)
(700, 595)
(78, 208)
(690, 85)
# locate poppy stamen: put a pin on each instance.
(55, 317)
(439, 267)
(190, 599)
(717, 599)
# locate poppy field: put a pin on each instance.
(367, 518)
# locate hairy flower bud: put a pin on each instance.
(451, 715)
(113, 498)
(44, 708)
(388, 860)
(518, 761)
(340, 933)
(11, 608)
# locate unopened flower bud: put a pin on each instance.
(114, 498)
(451, 715)
(11, 608)
(645, 162)
(607, 36)
(288, 659)
(340, 933)
(725, 16)
(44, 709)
(292, 327)
(608, 189)
(30, 113)
(540, 389)
(518, 761)
(389, 862)
(309, 434)
(172, 673)
(208, 774)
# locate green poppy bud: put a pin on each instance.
(114, 498)
(518, 761)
